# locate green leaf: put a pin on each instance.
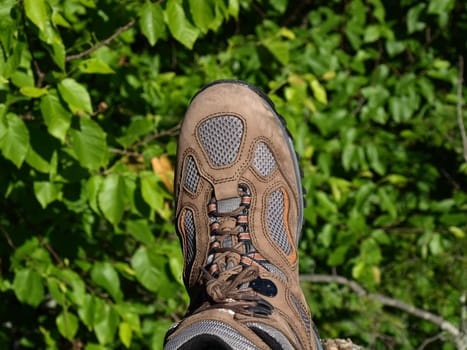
(279, 5)
(279, 49)
(73, 280)
(413, 23)
(387, 202)
(400, 108)
(106, 321)
(152, 192)
(370, 252)
(47, 192)
(67, 324)
(152, 22)
(58, 51)
(89, 144)
(94, 185)
(178, 24)
(28, 287)
(56, 289)
(176, 266)
(234, 8)
(358, 269)
(56, 117)
(327, 206)
(125, 333)
(14, 138)
(146, 272)
(202, 13)
(87, 310)
(394, 47)
(372, 153)
(129, 315)
(349, 157)
(436, 244)
(37, 162)
(75, 95)
(31, 91)
(36, 11)
(442, 8)
(318, 91)
(456, 231)
(112, 198)
(95, 65)
(140, 230)
(105, 276)
(372, 33)
(159, 329)
(337, 256)
(59, 20)
(427, 89)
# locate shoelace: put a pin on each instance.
(233, 265)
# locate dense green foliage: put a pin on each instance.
(92, 92)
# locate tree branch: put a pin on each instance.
(356, 288)
(460, 120)
(387, 301)
(101, 43)
(156, 135)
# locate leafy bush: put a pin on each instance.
(92, 93)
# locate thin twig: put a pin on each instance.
(40, 75)
(460, 120)
(387, 301)
(7, 237)
(147, 139)
(430, 340)
(51, 250)
(169, 132)
(102, 43)
(361, 103)
(420, 313)
(125, 152)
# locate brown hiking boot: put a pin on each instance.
(239, 207)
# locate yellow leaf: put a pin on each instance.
(310, 105)
(376, 274)
(319, 92)
(329, 75)
(162, 167)
(456, 231)
(287, 33)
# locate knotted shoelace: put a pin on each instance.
(233, 264)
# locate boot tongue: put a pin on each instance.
(228, 205)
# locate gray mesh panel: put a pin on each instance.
(189, 224)
(275, 270)
(228, 205)
(264, 162)
(303, 313)
(278, 336)
(191, 175)
(275, 219)
(221, 138)
(216, 328)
